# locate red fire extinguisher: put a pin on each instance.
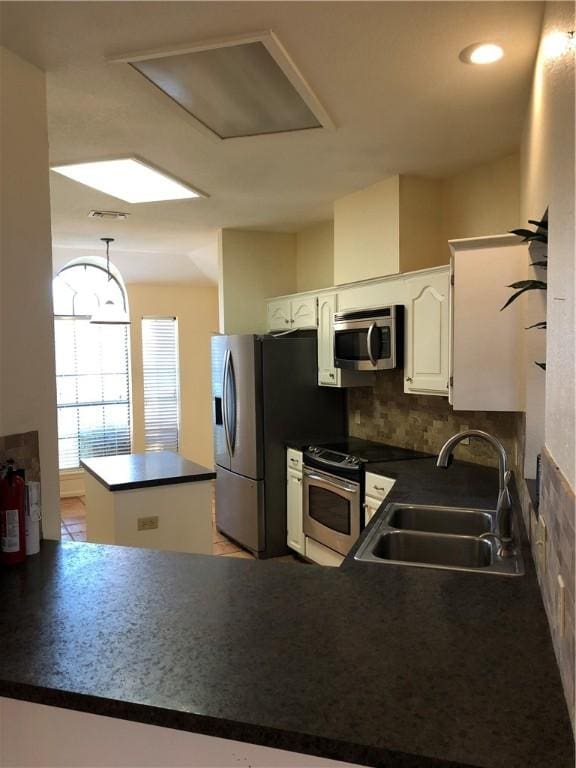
(12, 518)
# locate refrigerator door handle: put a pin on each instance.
(225, 402)
(232, 384)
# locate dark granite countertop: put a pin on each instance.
(376, 665)
(144, 470)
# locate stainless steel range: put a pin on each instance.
(333, 488)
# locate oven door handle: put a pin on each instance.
(349, 487)
(369, 345)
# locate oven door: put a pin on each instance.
(331, 509)
(365, 345)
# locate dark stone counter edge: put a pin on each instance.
(250, 733)
(136, 484)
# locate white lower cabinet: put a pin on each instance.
(294, 521)
(377, 487)
(322, 555)
(427, 364)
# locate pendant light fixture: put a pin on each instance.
(110, 313)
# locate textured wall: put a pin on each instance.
(548, 181)
(424, 422)
(315, 257)
(557, 504)
(27, 376)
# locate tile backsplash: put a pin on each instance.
(24, 449)
(425, 422)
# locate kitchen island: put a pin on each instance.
(159, 500)
(367, 664)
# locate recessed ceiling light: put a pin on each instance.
(481, 53)
(128, 179)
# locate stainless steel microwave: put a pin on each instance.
(369, 339)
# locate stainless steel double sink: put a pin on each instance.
(438, 537)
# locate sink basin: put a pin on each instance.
(433, 549)
(465, 522)
(437, 537)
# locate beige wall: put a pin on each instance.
(484, 200)
(196, 308)
(27, 375)
(253, 266)
(315, 257)
(548, 181)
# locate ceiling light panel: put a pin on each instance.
(241, 88)
(127, 179)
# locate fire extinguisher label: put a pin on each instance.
(10, 531)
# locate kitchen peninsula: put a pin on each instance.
(370, 665)
(157, 500)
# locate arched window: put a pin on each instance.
(92, 365)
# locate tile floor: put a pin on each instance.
(73, 528)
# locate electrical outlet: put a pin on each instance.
(357, 417)
(147, 523)
(463, 428)
(561, 606)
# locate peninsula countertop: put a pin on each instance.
(144, 470)
(391, 665)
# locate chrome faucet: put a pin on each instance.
(503, 533)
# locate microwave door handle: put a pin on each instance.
(369, 344)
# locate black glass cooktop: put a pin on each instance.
(368, 451)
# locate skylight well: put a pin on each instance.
(233, 88)
(128, 179)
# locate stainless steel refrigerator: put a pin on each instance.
(265, 395)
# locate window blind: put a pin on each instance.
(161, 383)
(93, 393)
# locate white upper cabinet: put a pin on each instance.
(488, 369)
(303, 311)
(292, 312)
(392, 227)
(279, 315)
(427, 365)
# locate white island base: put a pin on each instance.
(180, 514)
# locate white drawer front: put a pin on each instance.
(378, 486)
(320, 554)
(294, 460)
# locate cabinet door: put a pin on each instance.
(279, 315)
(294, 520)
(328, 375)
(371, 506)
(428, 334)
(303, 312)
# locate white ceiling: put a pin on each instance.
(387, 72)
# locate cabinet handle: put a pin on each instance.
(408, 378)
(379, 488)
(299, 479)
(331, 375)
(294, 461)
(287, 321)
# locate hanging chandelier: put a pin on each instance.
(109, 313)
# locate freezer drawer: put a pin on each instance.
(240, 509)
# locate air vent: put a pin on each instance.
(234, 88)
(118, 215)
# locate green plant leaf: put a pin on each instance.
(529, 236)
(541, 365)
(543, 223)
(523, 285)
(529, 285)
(541, 325)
